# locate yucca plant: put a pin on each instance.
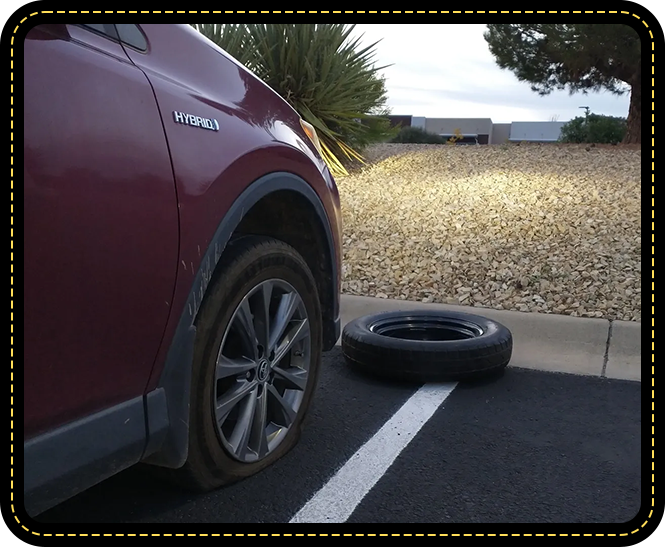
(323, 72)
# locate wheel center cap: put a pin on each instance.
(262, 370)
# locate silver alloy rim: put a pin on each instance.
(262, 370)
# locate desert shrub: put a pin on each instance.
(416, 135)
(594, 129)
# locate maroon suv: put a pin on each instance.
(182, 260)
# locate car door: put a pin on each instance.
(101, 225)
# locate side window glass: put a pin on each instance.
(132, 36)
(107, 30)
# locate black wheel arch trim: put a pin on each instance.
(170, 450)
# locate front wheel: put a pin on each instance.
(257, 358)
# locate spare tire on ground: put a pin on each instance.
(427, 345)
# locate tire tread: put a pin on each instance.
(368, 352)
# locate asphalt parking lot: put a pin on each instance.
(528, 447)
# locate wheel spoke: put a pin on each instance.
(258, 438)
(261, 311)
(282, 408)
(231, 398)
(297, 332)
(245, 322)
(241, 433)
(295, 378)
(287, 307)
(261, 372)
(227, 367)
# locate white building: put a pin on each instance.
(483, 130)
(535, 131)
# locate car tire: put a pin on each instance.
(251, 262)
(427, 345)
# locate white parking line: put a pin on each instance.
(345, 490)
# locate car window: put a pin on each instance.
(129, 35)
(107, 30)
(132, 36)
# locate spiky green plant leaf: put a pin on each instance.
(323, 72)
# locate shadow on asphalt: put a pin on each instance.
(135, 493)
(469, 382)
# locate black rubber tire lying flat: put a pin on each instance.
(427, 345)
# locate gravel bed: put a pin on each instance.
(534, 228)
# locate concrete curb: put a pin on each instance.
(549, 342)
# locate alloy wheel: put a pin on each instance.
(262, 370)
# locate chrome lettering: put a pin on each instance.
(195, 121)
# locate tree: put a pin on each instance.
(323, 72)
(581, 58)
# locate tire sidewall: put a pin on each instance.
(492, 330)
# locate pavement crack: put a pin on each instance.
(607, 350)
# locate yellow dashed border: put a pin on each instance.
(635, 531)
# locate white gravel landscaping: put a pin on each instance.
(538, 228)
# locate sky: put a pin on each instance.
(447, 71)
